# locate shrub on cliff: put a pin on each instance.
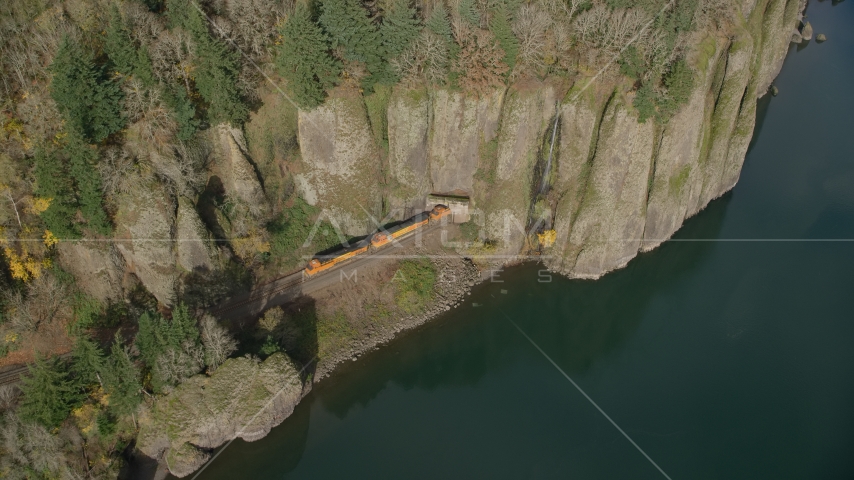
(663, 98)
(480, 61)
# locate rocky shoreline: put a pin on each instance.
(456, 276)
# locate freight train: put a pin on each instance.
(376, 241)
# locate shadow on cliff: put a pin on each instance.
(761, 112)
(295, 333)
(576, 321)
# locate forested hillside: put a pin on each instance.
(154, 161)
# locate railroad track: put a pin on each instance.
(265, 293)
(11, 377)
(272, 288)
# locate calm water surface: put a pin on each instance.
(721, 359)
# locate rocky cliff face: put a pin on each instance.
(618, 186)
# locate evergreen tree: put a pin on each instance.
(440, 24)
(153, 5)
(348, 26)
(122, 379)
(399, 29)
(142, 67)
(183, 110)
(679, 81)
(184, 327)
(468, 11)
(118, 44)
(149, 338)
(54, 182)
(217, 66)
(48, 394)
(89, 101)
(645, 102)
(83, 160)
(499, 25)
(632, 63)
(157, 334)
(178, 12)
(87, 361)
(304, 60)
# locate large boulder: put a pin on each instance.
(807, 31)
(243, 398)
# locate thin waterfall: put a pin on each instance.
(544, 181)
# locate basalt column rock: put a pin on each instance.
(239, 177)
(728, 101)
(580, 113)
(678, 177)
(341, 169)
(408, 129)
(607, 232)
(194, 246)
(460, 125)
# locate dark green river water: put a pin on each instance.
(727, 353)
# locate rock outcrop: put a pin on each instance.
(238, 174)
(97, 266)
(243, 398)
(193, 246)
(145, 223)
(408, 134)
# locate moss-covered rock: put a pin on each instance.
(677, 178)
(243, 398)
(504, 192)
